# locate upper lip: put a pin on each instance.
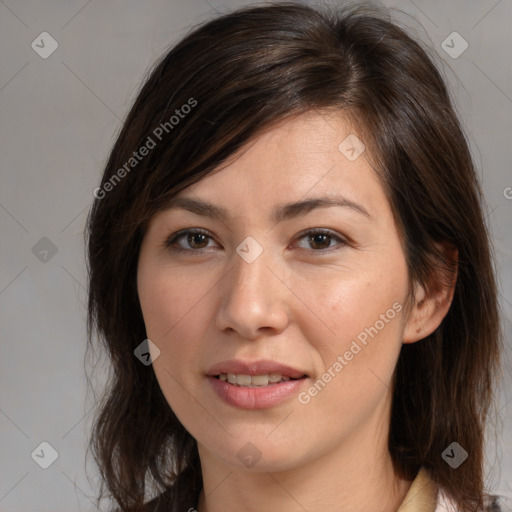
(261, 367)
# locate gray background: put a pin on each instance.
(59, 117)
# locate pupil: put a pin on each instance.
(314, 238)
(194, 236)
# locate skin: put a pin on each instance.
(301, 302)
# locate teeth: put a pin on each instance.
(258, 380)
(254, 380)
(243, 380)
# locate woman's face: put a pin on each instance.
(252, 287)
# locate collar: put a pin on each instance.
(422, 495)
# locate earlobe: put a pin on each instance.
(416, 326)
(433, 303)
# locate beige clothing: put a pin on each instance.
(426, 496)
(422, 495)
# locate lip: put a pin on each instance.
(255, 397)
(261, 367)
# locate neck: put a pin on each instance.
(357, 475)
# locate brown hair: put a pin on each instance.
(239, 74)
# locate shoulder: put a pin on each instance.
(494, 503)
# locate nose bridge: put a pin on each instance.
(252, 295)
(250, 271)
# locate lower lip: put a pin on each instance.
(255, 398)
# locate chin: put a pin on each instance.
(257, 454)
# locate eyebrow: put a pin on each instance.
(282, 212)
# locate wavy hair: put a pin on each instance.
(240, 73)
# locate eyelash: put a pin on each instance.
(168, 244)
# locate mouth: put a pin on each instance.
(255, 381)
(257, 384)
(263, 372)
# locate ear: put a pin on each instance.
(431, 304)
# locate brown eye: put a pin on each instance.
(320, 240)
(195, 240)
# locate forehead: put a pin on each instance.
(311, 152)
(308, 156)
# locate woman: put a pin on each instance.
(292, 276)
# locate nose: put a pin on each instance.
(255, 300)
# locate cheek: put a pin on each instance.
(363, 314)
(168, 300)
(355, 365)
(172, 311)
(353, 308)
